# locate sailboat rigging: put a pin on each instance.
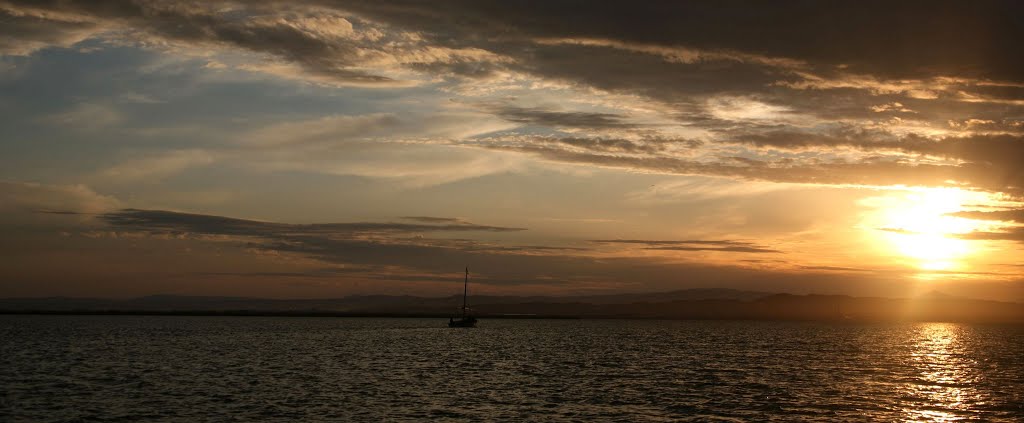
(466, 321)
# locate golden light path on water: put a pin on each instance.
(916, 224)
(944, 389)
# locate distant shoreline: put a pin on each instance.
(697, 304)
(247, 313)
(297, 314)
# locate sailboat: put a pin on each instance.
(466, 321)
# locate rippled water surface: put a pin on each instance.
(133, 368)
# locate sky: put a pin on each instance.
(310, 149)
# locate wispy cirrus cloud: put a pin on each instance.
(570, 119)
(413, 150)
(1011, 234)
(692, 245)
(335, 130)
(1014, 215)
(158, 165)
(86, 116)
(433, 219)
(827, 171)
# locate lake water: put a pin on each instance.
(130, 368)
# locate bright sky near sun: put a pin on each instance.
(321, 149)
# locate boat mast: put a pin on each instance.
(465, 291)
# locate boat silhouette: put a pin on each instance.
(466, 321)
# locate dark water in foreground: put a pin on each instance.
(133, 368)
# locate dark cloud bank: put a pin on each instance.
(377, 250)
(218, 225)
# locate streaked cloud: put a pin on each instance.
(693, 245)
(28, 29)
(561, 119)
(339, 129)
(1003, 215)
(31, 197)
(219, 225)
(161, 165)
(87, 116)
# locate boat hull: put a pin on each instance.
(468, 322)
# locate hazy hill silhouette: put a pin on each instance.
(711, 303)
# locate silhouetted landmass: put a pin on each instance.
(685, 304)
(356, 303)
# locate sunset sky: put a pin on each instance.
(303, 149)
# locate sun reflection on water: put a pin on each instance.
(944, 389)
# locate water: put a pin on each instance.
(130, 368)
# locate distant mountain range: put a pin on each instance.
(710, 303)
(358, 303)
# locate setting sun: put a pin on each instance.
(919, 226)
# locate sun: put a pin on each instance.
(918, 225)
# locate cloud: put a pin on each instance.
(984, 161)
(26, 30)
(989, 161)
(392, 243)
(1003, 151)
(388, 252)
(33, 197)
(411, 165)
(677, 54)
(412, 150)
(1011, 234)
(320, 43)
(894, 106)
(159, 165)
(684, 55)
(383, 256)
(849, 34)
(138, 98)
(702, 188)
(844, 109)
(25, 207)
(1000, 215)
(639, 145)
(821, 94)
(537, 116)
(86, 116)
(432, 219)
(339, 129)
(828, 172)
(393, 248)
(693, 245)
(161, 220)
(835, 268)
(745, 109)
(735, 249)
(658, 49)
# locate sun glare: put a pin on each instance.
(917, 224)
